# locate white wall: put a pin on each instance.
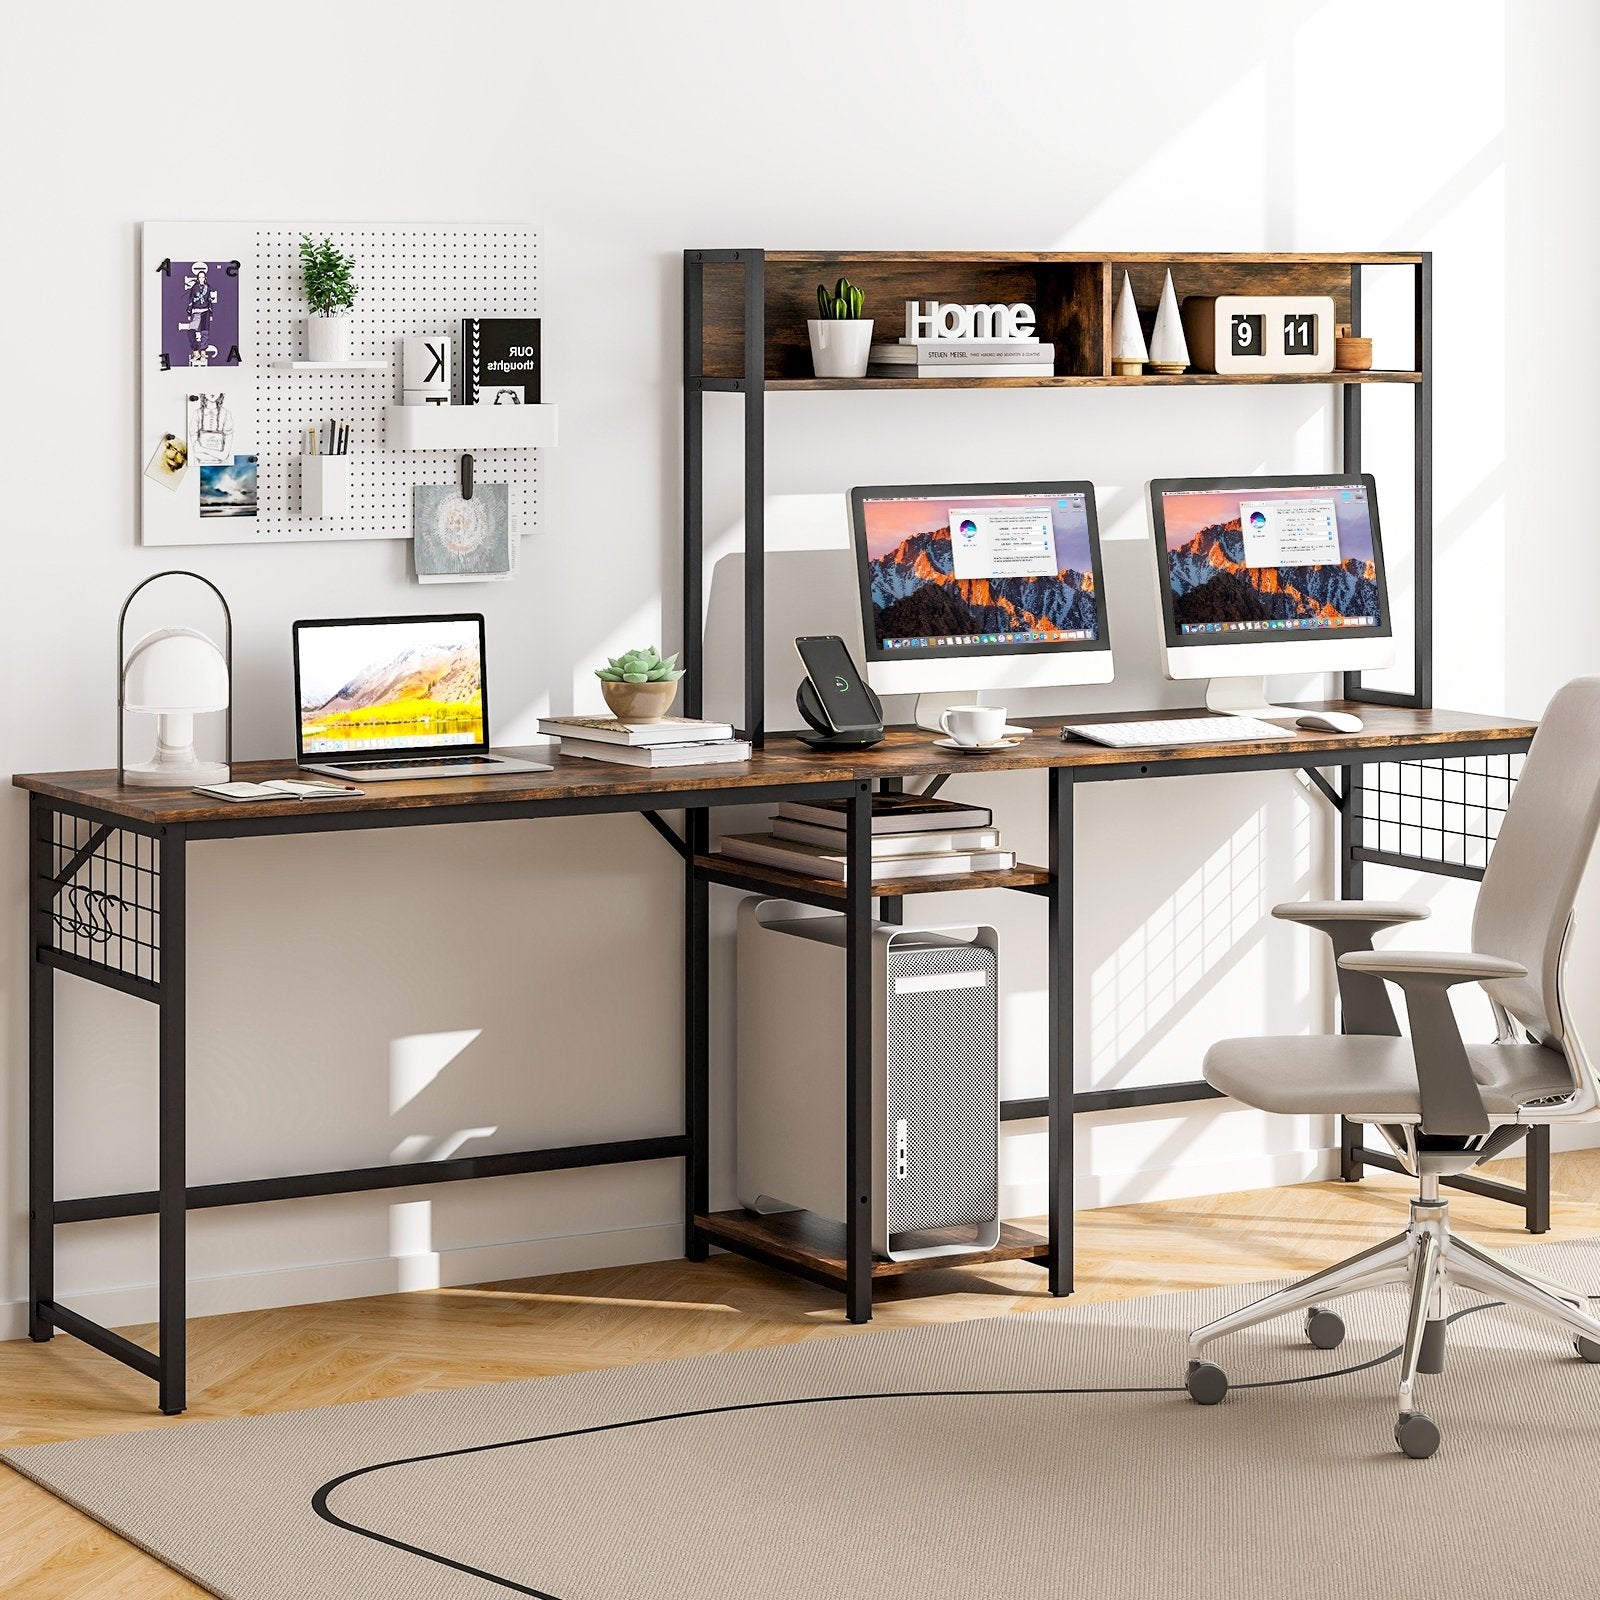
(628, 131)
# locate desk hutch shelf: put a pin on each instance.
(744, 334)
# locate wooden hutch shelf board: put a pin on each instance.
(1152, 380)
(816, 1244)
(733, 872)
(1071, 293)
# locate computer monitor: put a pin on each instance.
(979, 586)
(1261, 575)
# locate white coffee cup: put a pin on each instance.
(974, 725)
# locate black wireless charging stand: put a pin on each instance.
(824, 738)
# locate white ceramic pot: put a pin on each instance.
(839, 348)
(327, 338)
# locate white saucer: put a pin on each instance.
(978, 749)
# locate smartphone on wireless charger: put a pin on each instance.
(840, 690)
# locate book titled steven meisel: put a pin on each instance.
(500, 361)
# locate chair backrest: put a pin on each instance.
(1525, 902)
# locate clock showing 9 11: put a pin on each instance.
(1240, 334)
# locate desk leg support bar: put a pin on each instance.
(696, 1033)
(172, 1165)
(858, 1055)
(41, 1080)
(1060, 1029)
(1351, 886)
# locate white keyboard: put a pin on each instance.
(1175, 730)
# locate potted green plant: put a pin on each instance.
(841, 338)
(325, 271)
(638, 685)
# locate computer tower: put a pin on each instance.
(935, 1077)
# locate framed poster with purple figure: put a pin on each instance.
(199, 313)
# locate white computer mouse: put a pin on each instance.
(1329, 722)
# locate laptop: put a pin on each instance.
(385, 698)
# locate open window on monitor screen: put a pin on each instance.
(1269, 575)
(975, 587)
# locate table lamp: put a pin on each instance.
(175, 674)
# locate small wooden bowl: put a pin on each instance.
(1352, 354)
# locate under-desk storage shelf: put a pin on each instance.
(469, 427)
(816, 1245)
(737, 874)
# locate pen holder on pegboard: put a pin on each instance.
(325, 486)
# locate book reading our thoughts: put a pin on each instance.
(500, 361)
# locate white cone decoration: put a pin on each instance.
(1128, 353)
(1168, 350)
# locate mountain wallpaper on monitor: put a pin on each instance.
(916, 594)
(1211, 583)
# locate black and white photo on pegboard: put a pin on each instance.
(413, 278)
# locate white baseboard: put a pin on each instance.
(1093, 1190)
(353, 1280)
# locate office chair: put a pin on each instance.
(1444, 1106)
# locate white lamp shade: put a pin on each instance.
(175, 670)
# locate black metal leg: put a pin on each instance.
(41, 1076)
(892, 907)
(858, 1055)
(171, 1096)
(696, 1035)
(1352, 1135)
(755, 496)
(1536, 1179)
(1059, 1045)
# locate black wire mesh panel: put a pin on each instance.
(1446, 811)
(106, 907)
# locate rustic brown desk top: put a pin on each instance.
(906, 752)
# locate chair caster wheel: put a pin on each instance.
(1324, 1328)
(1417, 1434)
(1207, 1384)
(1589, 1349)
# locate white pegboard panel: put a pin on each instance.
(412, 278)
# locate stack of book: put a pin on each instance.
(966, 358)
(912, 837)
(667, 742)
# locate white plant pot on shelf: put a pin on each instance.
(839, 347)
(327, 338)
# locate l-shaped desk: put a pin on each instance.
(107, 903)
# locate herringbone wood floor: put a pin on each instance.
(360, 1349)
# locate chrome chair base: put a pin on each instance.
(1431, 1261)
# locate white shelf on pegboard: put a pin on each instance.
(329, 366)
(469, 427)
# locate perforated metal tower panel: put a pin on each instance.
(935, 1076)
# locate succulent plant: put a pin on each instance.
(640, 666)
(842, 304)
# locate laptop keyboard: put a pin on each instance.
(439, 761)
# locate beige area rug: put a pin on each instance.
(991, 1458)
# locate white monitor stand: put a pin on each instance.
(1243, 697)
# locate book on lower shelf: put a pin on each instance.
(888, 845)
(702, 753)
(824, 861)
(891, 813)
(613, 730)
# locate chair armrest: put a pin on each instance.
(1451, 1101)
(1442, 966)
(1375, 913)
(1350, 925)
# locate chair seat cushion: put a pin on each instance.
(1371, 1077)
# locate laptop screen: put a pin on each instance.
(365, 687)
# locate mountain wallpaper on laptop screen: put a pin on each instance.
(916, 594)
(1211, 583)
(426, 691)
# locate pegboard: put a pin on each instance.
(412, 278)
